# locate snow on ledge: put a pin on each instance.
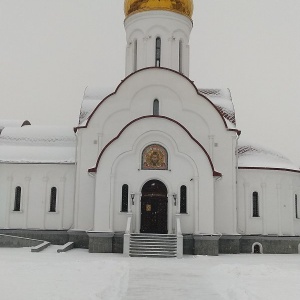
(37, 144)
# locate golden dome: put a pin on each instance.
(184, 7)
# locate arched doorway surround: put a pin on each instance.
(154, 208)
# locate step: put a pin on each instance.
(151, 250)
(157, 236)
(153, 255)
(153, 246)
(154, 241)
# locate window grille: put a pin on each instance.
(158, 52)
(17, 206)
(255, 205)
(155, 107)
(53, 196)
(124, 206)
(183, 199)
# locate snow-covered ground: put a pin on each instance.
(79, 275)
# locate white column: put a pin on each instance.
(137, 212)
(264, 208)
(186, 61)
(292, 209)
(128, 64)
(77, 180)
(234, 185)
(47, 196)
(197, 206)
(111, 201)
(26, 201)
(278, 187)
(170, 213)
(246, 205)
(61, 199)
(148, 57)
(8, 200)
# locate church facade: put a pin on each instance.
(157, 155)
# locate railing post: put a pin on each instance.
(179, 237)
(126, 241)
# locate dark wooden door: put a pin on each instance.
(154, 208)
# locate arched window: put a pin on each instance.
(256, 249)
(180, 56)
(183, 199)
(255, 205)
(124, 206)
(17, 206)
(155, 107)
(296, 207)
(53, 197)
(135, 50)
(157, 52)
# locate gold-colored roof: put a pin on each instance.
(184, 7)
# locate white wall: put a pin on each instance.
(36, 181)
(276, 190)
(198, 121)
(145, 27)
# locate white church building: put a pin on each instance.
(156, 166)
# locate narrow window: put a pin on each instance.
(180, 56)
(255, 205)
(183, 199)
(125, 189)
(53, 199)
(158, 52)
(17, 206)
(155, 107)
(135, 50)
(296, 206)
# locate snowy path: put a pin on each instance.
(78, 275)
(168, 279)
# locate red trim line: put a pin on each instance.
(268, 169)
(150, 68)
(94, 170)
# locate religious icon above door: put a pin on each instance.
(154, 157)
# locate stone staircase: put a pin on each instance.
(153, 245)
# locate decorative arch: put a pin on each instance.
(257, 248)
(238, 132)
(94, 169)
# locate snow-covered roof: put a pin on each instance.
(221, 98)
(37, 144)
(91, 98)
(12, 123)
(251, 155)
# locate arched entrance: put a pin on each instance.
(154, 207)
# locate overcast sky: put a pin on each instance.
(50, 50)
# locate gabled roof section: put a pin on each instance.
(254, 156)
(222, 100)
(91, 98)
(221, 97)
